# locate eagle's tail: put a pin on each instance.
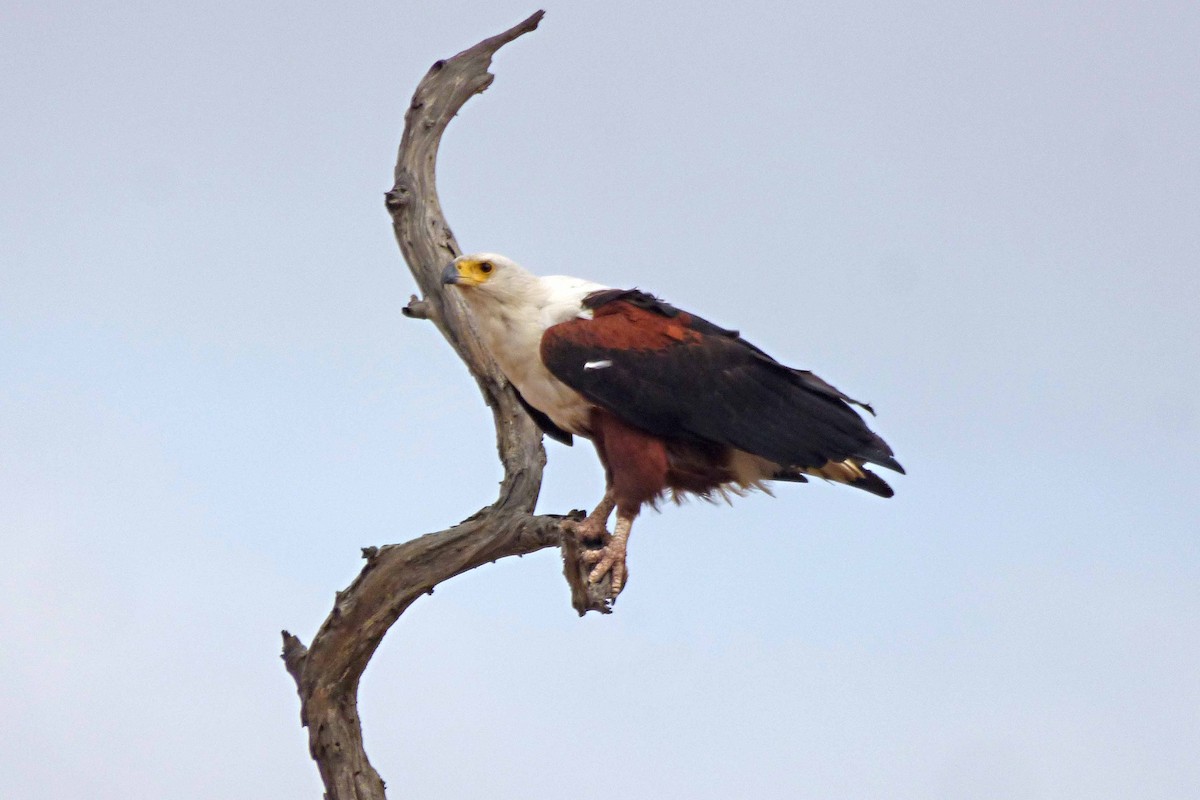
(850, 472)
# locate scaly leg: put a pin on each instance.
(611, 557)
(595, 527)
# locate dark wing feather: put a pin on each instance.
(677, 375)
(649, 302)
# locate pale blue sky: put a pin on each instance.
(982, 218)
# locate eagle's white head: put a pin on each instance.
(492, 279)
(503, 294)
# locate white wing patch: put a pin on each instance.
(605, 364)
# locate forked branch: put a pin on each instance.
(327, 673)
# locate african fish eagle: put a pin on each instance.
(673, 403)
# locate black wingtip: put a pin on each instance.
(880, 458)
(545, 423)
(874, 484)
(560, 436)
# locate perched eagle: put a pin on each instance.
(673, 403)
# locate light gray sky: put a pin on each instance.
(983, 218)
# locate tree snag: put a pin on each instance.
(327, 673)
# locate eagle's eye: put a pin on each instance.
(486, 267)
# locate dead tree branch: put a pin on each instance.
(327, 673)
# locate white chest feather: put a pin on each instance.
(513, 334)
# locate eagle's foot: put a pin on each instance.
(593, 530)
(611, 557)
(592, 533)
(590, 553)
(582, 547)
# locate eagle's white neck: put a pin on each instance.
(511, 316)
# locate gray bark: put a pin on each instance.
(327, 673)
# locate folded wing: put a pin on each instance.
(679, 376)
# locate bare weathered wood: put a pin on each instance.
(327, 673)
(428, 244)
